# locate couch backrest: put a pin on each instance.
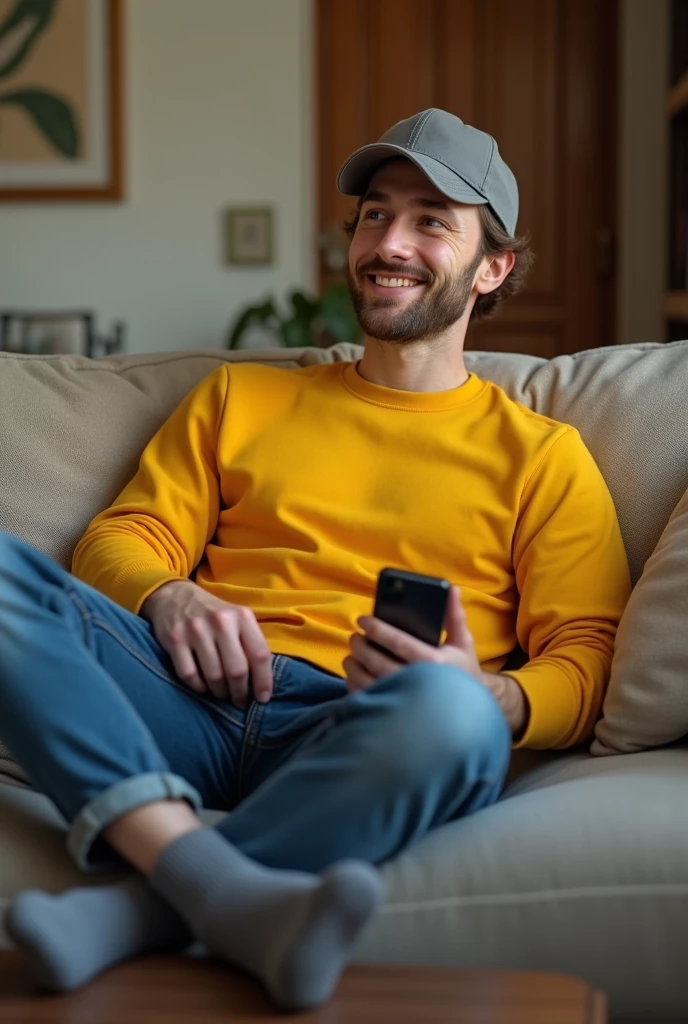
(72, 429)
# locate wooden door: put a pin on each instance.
(538, 75)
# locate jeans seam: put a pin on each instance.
(86, 614)
(253, 720)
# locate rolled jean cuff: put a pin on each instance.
(119, 799)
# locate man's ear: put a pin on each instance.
(494, 272)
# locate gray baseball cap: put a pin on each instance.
(461, 161)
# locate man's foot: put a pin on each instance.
(70, 938)
(293, 931)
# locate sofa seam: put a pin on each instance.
(540, 896)
(287, 358)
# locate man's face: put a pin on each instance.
(413, 257)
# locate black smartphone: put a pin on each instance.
(412, 602)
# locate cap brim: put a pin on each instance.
(356, 172)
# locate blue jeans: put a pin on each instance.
(92, 710)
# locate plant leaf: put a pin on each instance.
(337, 311)
(260, 314)
(19, 31)
(296, 331)
(53, 116)
(303, 305)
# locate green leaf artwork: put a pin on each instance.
(52, 115)
(19, 30)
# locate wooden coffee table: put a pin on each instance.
(182, 990)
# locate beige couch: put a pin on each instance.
(582, 866)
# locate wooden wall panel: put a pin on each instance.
(402, 68)
(458, 54)
(344, 123)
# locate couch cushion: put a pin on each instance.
(647, 701)
(581, 867)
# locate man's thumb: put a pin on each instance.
(455, 623)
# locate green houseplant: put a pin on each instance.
(309, 320)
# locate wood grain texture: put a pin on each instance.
(177, 990)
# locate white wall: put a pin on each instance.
(643, 174)
(218, 113)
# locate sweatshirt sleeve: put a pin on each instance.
(573, 580)
(157, 528)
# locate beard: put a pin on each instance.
(427, 317)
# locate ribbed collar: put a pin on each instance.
(410, 401)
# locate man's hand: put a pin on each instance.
(224, 640)
(365, 664)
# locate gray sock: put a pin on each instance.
(292, 930)
(69, 938)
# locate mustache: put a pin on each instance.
(402, 269)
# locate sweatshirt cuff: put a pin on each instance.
(552, 706)
(136, 582)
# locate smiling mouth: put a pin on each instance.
(384, 281)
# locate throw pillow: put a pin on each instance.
(647, 700)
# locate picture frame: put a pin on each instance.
(250, 235)
(61, 103)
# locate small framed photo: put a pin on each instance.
(249, 235)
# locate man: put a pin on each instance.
(133, 694)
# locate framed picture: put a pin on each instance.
(61, 100)
(250, 235)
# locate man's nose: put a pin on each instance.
(395, 244)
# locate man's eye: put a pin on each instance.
(373, 214)
(433, 223)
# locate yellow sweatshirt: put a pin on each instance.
(288, 490)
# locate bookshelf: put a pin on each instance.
(675, 300)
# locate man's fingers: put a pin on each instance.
(226, 660)
(185, 666)
(259, 657)
(456, 623)
(377, 663)
(244, 654)
(221, 650)
(401, 646)
(357, 677)
(202, 642)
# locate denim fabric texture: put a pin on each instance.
(91, 708)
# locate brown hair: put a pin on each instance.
(494, 241)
